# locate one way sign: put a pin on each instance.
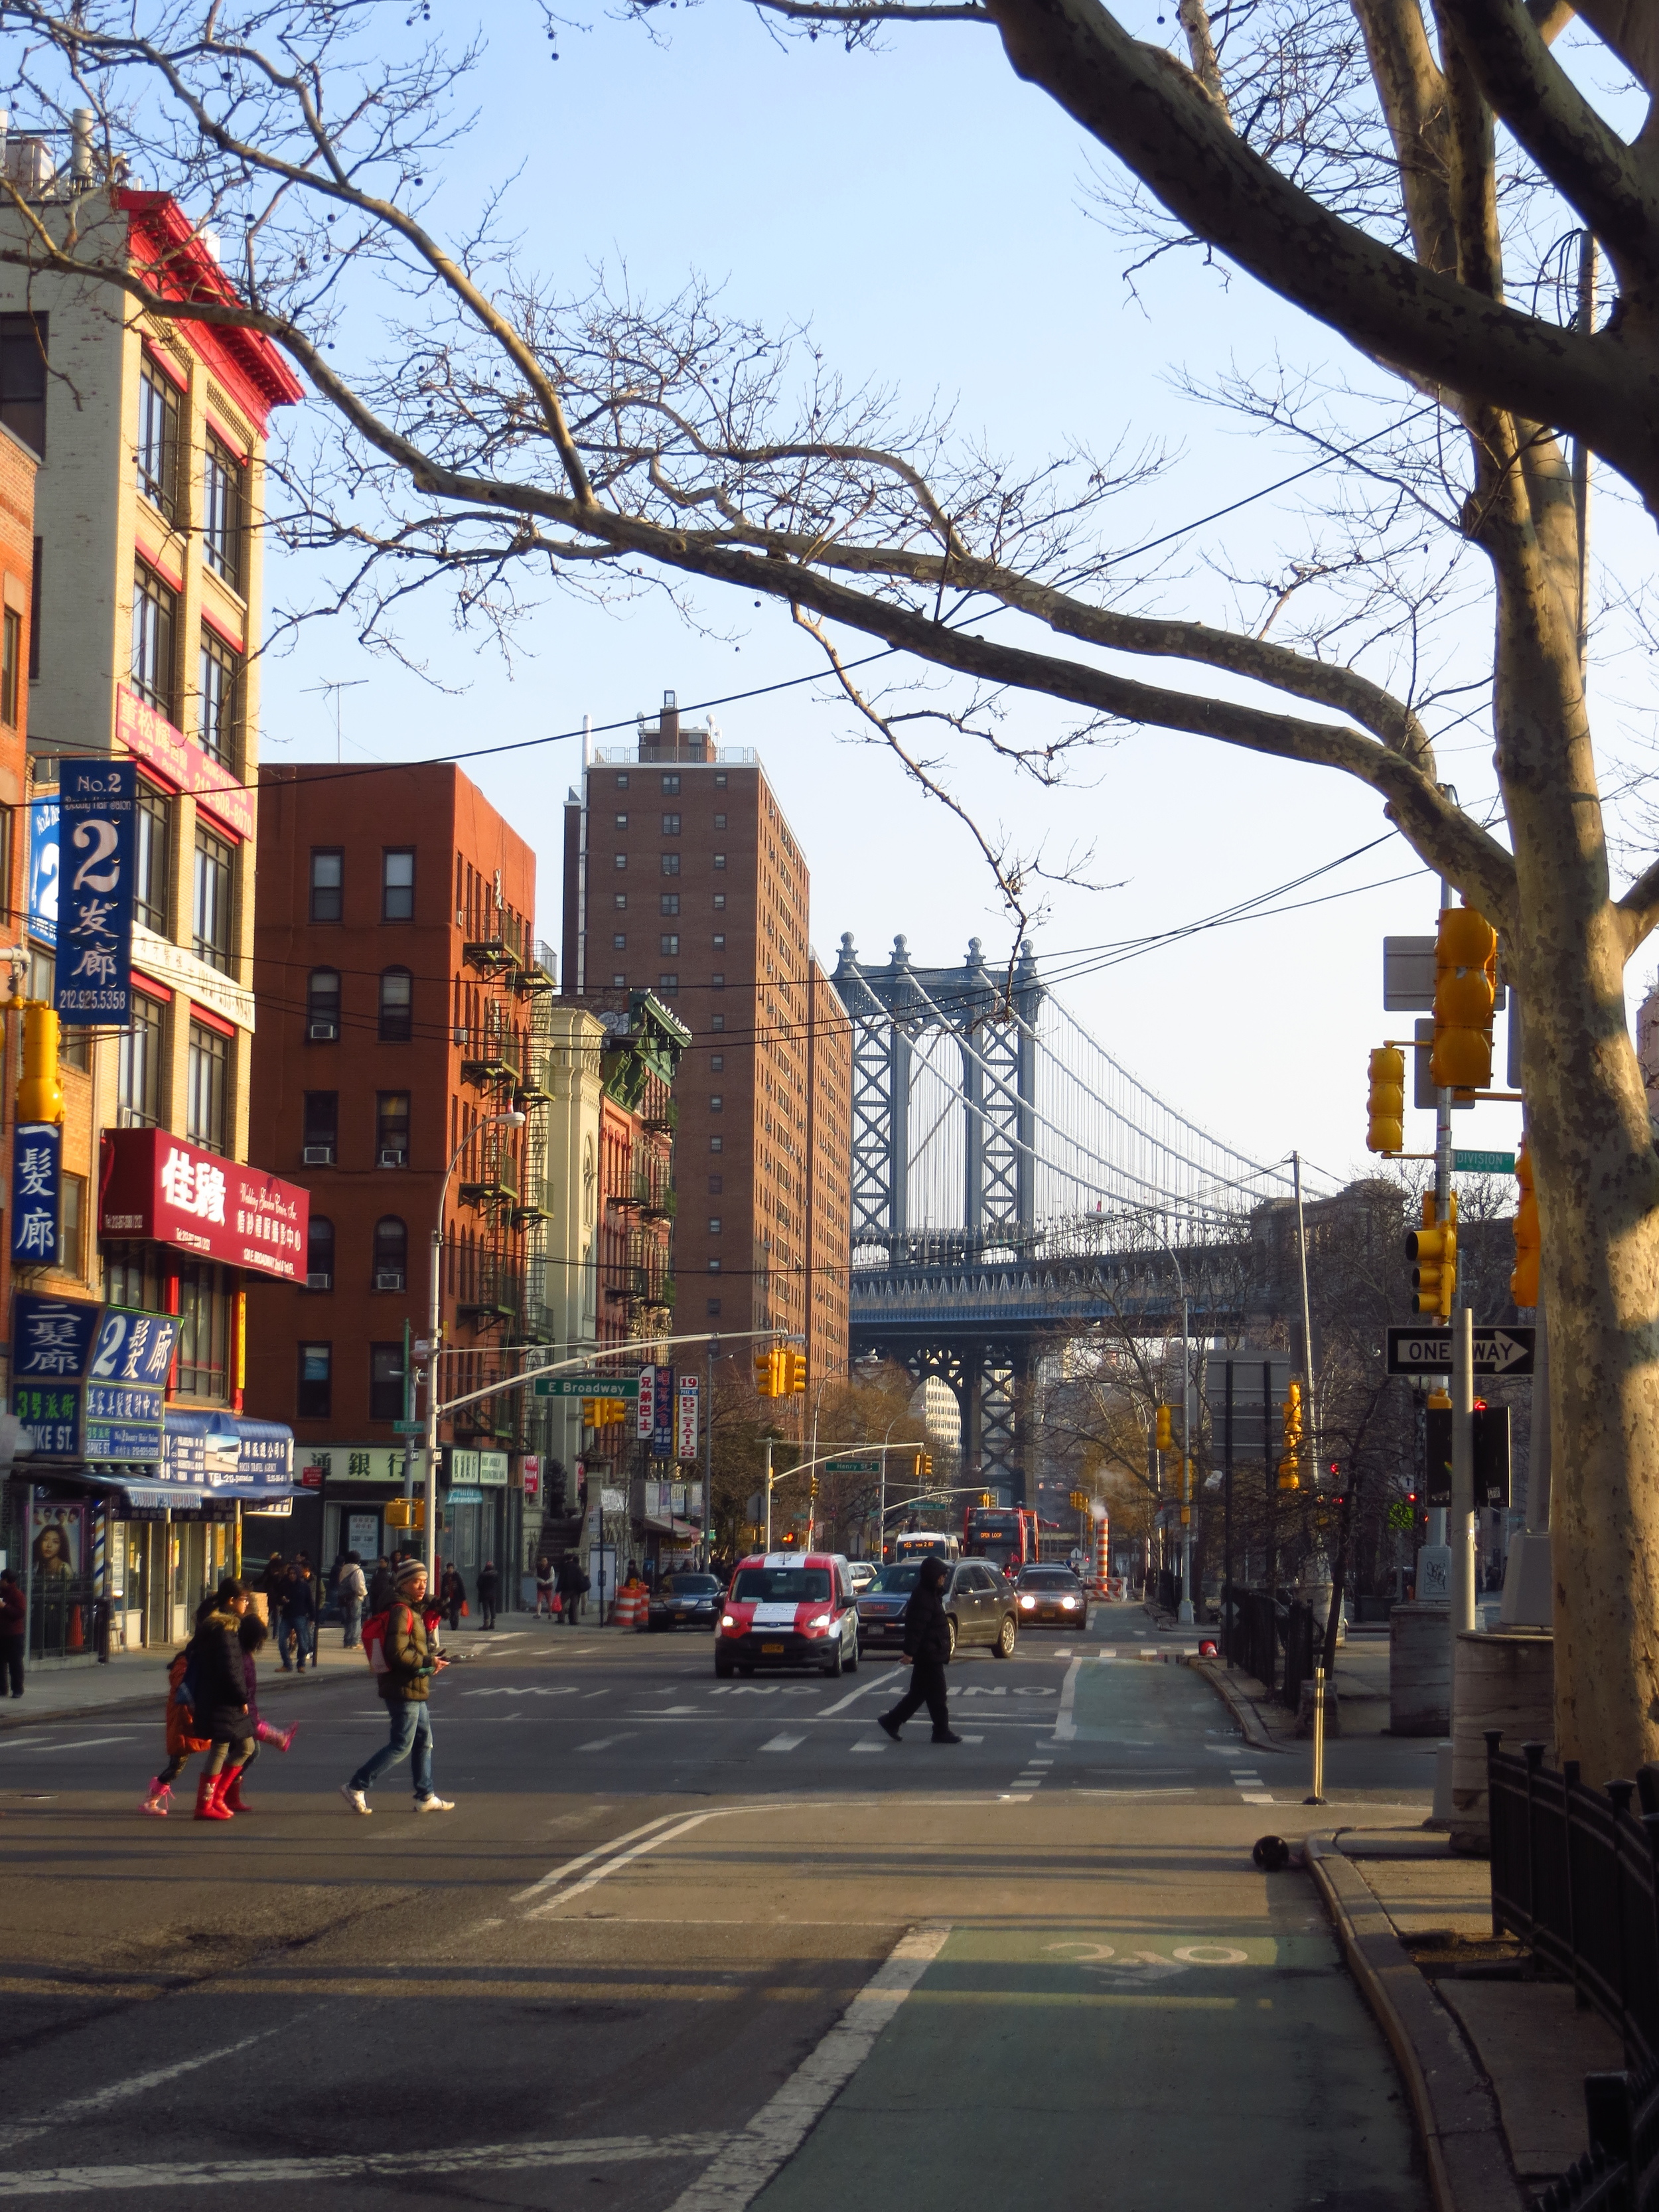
(1429, 1352)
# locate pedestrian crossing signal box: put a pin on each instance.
(406, 1513)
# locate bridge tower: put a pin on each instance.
(993, 1017)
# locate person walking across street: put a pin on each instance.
(926, 1646)
(411, 1664)
(351, 1590)
(218, 1681)
(13, 1630)
(453, 1594)
(572, 1585)
(544, 1586)
(489, 1583)
(299, 1634)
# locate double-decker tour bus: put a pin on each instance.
(1005, 1535)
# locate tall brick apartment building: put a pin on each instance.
(683, 876)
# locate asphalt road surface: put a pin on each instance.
(701, 1944)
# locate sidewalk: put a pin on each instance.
(1360, 1682)
(130, 1679)
(1493, 2058)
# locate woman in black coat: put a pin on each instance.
(928, 1647)
(218, 1683)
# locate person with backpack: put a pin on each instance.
(351, 1590)
(182, 1739)
(489, 1583)
(572, 1585)
(404, 1658)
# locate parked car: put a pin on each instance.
(684, 1601)
(789, 1609)
(979, 1605)
(1052, 1597)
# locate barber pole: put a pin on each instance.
(1102, 1552)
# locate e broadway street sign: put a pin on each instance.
(587, 1386)
(1498, 1351)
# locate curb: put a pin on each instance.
(1239, 1706)
(1452, 2101)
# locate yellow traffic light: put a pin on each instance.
(1524, 1283)
(1164, 1438)
(985, 1498)
(1079, 1500)
(406, 1513)
(794, 1366)
(39, 1093)
(815, 1490)
(1465, 988)
(770, 1373)
(927, 1465)
(1386, 1108)
(1290, 1466)
(1433, 1250)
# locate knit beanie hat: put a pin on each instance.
(408, 1571)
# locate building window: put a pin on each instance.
(713, 1307)
(327, 882)
(719, 940)
(223, 507)
(323, 1006)
(131, 1276)
(385, 1381)
(391, 1254)
(621, 822)
(717, 1143)
(621, 783)
(155, 619)
(719, 901)
(713, 1266)
(204, 1330)
(671, 864)
(321, 1128)
(220, 679)
(138, 1068)
(671, 826)
(316, 1394)
(152, 858)
(717, 981)
(620, 900)
(716, 1185)
(37, 590)
(719, 822)
(713, 1225)
(73, 1044)
(619, 942)
(398, 884)
(716, 1062)
(11, 665)
(71, 1224)
(396, 1007)
(319, 1253)
(720, 781)
(392, 1129)
(215, 864)
(668, 985)
(209, 1088)
(619, 859)
(717, 1021)
(670, 903)
(716, 1103)
(158, 438)
(668, 944)
(719, 860)
(619, 982)
(670, 786)
(23, 378)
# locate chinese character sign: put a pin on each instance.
(645, 1410)
(98, 802)
(36, 1159)
(685, 1425)
(43, 870)
(155, 1185)
(662, 1431)
(52, 1338)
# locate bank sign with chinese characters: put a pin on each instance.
(88, 1381)
(156, 1187)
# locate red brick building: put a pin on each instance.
(396, 974)
(683, 876)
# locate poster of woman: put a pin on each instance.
(57, 1544)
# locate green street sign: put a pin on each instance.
(587, 1386)
(408, 1428)
(1483, 1163)
(852, 1466)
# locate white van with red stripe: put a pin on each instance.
(789, 1609)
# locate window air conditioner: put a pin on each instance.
(323, 1032)
(319, 1156)
(392, 1156)
(320, 1280)
(388, 1278)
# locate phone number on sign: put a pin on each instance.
(111, 1000)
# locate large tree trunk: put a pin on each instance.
(1597, 1179)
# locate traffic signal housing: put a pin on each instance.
(1290, 1466)
(1164, 1437)
(925, 1464)
(771, 1375)
(1465, 992)
(1524, 1282)
(1385, 1129)
(406, 1513)
(794, 1373)
(1433, 1251)
(39, 1092)
(1080, 1501)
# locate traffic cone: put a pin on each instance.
(78, 1641)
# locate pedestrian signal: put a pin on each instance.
(1433, 1251)
(1524, 1283)
(1290, 1466)
(406, 1513)
(1164, 1438)
(1465, 991)
(1386, 1108)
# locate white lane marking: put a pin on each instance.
(870, 1747)
(874, 1683)
(1035, 1761)
(1256, 1797)
(615, 1865)
(21, 1741)
(784, 1743)
(83, 1743)
(1064, 1726)
(604, 1742)
(1015, 1797)
(1106, 1655)
(973, 1739)
(80, 2108)
(1064, 1654)
(1162, 1792)
(748, 2160)
(231, 2174)
(575, 1866)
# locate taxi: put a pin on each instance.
(789, 1609)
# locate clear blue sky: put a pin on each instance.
(931, 218)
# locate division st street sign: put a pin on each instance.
(1497, 1350)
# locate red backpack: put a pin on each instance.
(374, 1634)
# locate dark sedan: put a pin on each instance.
(686, 1600)
(979, 1607)
(1051, 1597)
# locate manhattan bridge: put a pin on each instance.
(1012, 1184)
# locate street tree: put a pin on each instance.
(1398, 186)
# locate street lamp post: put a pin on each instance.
(1186, 1613)
(512, 1119)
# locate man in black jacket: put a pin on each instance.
(926, 1646)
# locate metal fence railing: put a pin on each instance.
(1271, 1637)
